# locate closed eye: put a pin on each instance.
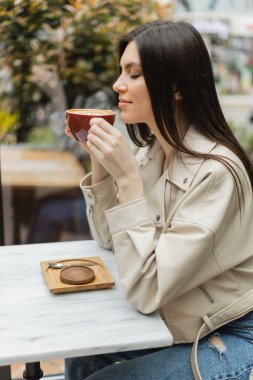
(135, 76)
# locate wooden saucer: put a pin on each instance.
(77, 275)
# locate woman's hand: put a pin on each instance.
(98, 171)
(114, 153)
(69, 134)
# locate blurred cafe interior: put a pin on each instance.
(47, 69)
(40, 173)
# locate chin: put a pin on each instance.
(128, 120)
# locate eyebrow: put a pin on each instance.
(131, 64)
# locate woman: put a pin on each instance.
(179, 215)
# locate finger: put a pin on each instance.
(99, 132)
(68, 131)
(98, 139)
(95, 151)
(103, 124)
(69, 134)
(105, 131)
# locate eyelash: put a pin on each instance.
(135, 76)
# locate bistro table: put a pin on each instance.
(38, 325)
(25, 166)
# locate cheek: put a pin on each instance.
(144, 95)
(143, 91)
(145, 101)
(141, 98)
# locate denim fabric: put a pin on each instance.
(225, 354)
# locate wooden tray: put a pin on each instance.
(102, 279)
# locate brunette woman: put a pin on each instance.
(179, 214)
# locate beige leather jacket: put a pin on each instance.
(184, 248)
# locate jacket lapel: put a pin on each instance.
(184, 167)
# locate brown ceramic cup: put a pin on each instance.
(78, 120)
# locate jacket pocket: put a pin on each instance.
(206, 294)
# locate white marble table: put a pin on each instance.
(38, 325)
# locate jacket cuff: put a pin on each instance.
(128, 215)
(99, 191)
(86, 181)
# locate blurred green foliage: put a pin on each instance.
(39, 135)
(76, 38)
(8, 123)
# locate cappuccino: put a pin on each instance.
(78, 120)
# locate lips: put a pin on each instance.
(121, 100)
(123, 103)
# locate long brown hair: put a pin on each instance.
(174, 56)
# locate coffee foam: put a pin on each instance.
(90, 112)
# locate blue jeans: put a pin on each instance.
(224, 354)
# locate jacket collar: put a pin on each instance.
(184, 167)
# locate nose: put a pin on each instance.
(119, 86)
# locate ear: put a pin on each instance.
(178, 95)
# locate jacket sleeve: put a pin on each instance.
(154, 272)
(99, 197)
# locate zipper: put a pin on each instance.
(206, 294)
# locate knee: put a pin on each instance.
(216, 342)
